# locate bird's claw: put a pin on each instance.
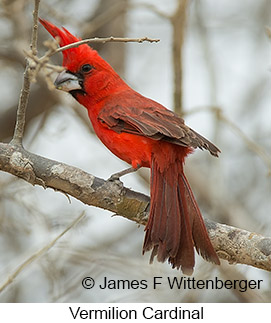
(114, 178)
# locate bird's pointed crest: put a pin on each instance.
(66, 38)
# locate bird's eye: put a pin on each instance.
(86, 68)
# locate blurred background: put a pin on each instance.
(212, 65)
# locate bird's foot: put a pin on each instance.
(117, 176)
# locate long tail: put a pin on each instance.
(175, 224)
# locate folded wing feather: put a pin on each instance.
(158, 124)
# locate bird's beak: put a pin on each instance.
(67, 81)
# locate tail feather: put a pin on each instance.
(175, 224)
(166, 224)
(201, 238)
(184, 258)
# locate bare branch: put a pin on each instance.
(34, 41)
(240, 246)
(20, 121)
(178, 21)
(232, 244)
(106, 40)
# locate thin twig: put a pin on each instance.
(106, 40)
(39, 253)
(34, 40)
(23, 101)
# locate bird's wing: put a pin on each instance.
(156, 123)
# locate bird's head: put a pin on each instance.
(86, 74)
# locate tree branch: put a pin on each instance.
(232, 244)
(178, 21)
(23, 101)
(106, 40)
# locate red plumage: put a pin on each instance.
(143, 133)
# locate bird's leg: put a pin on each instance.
(117, 176)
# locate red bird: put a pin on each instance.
(143, 133)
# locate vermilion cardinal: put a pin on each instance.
(143, 133)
